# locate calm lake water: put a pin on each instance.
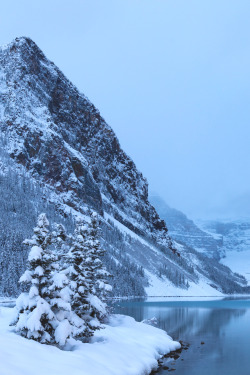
(223, 325)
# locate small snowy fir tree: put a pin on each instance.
(35, 319)
(79, 279)
(68, 323)
(97, 272)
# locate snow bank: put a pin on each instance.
(124, 347)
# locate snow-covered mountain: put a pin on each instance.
(235, 247)
(58, 155)
(182, 229)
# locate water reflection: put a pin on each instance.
(224, 326)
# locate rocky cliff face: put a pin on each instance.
(58, 135)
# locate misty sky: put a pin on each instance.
(172, 78)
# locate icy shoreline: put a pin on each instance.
(124, 347)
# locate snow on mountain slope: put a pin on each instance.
(191, 274)
(64, 146)
(236, 243)
(163, 288)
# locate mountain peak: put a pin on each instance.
(23, 41)
(24, 47)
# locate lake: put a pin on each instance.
(222, 324)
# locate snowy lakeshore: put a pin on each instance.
(124, 347)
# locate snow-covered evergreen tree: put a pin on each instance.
(78, 273)
(68, 322)
(67, 289)
(35, 318)
(99, 286)
(44, 313)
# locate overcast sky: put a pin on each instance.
(171, 77)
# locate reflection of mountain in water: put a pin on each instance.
(224, 350)
(183, 322)
(222, 325)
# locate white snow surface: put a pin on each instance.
(35, 253)
(124, 347)
(97, 303)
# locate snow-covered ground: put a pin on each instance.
(124, 347)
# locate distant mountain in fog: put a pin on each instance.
(181, 228)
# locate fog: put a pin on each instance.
(170, 77)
